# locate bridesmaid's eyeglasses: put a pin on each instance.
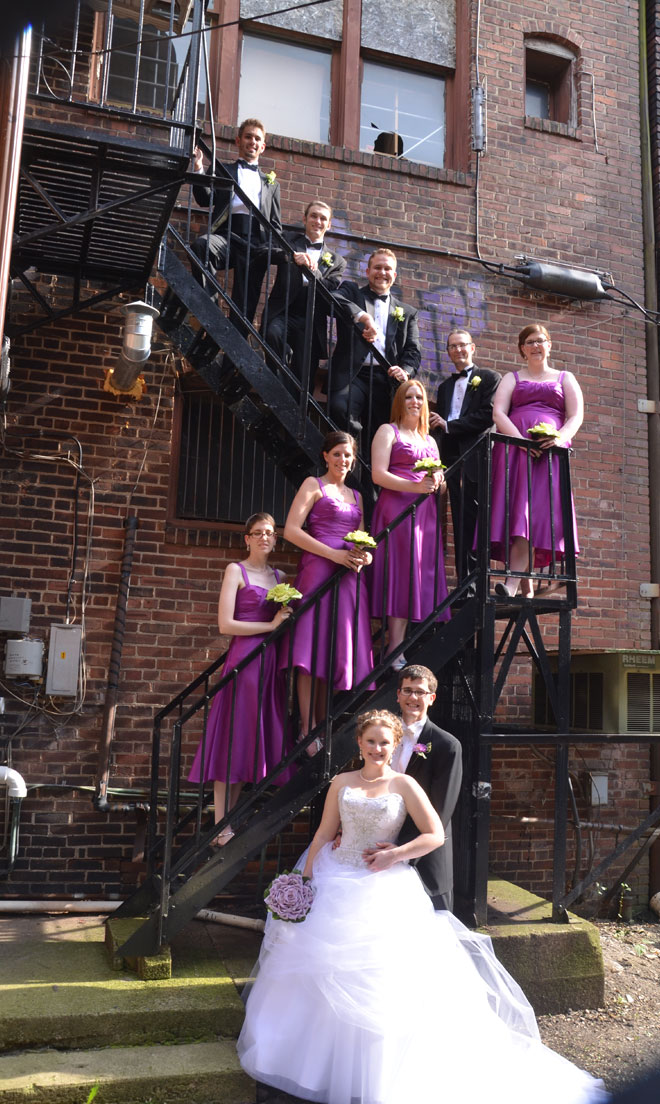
(535, 341)
(258, 533)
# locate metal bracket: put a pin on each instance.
(647, 406)
(649, 590)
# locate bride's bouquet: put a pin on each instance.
(290, 897)
(361, 539)
(283, 593)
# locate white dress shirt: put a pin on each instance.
(460, 387)
(250, 182)
(403, 752)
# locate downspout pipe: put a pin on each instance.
(16, 790)
(100, 800)
(13, 96)
(649, 156)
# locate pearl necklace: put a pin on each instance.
(381, 778)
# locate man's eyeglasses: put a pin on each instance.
(408, 692)
(460, 345)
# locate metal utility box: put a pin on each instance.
(63, 661)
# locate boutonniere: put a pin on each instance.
(326, 258)
(422, 750)
(397, 314)
(475, 381)
(271, 177)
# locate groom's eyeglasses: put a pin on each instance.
(408, 692)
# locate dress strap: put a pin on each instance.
(396, 430)
(321, 485)
(276, 574)
(560, 381)
(356, 496)
(516, 377)
(244, 574)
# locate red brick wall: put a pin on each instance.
(549, 194)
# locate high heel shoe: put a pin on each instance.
(223, 837)
(313, 748)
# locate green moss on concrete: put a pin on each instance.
(59, 989)
(559, 966)
(127, 1075)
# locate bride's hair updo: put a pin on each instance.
(380, 717)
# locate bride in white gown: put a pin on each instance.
(375, 998)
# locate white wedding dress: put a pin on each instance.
(376, 999)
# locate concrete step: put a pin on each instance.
(203, 1073)
(57, 987)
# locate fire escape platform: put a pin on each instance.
(92, 207)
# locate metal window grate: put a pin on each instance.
(224, 475)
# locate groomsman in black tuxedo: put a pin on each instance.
(361, 391)
(247, 252)
(285, 316)
(433, 758)
(463, 410)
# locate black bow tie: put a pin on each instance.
(248, 165)
(314, 245)
(460, 375)
(373, 296)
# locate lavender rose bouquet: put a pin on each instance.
(289, 897)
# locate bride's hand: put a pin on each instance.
(380, 857)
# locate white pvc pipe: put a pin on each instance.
(230, 920)
(15, 782)
(87, 906)
(59, 906)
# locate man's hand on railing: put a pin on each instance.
(305, 261)
(198, 160)
(398, 373)
(436, 422)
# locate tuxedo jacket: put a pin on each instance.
(269, 202)
(440, 775)
(476, 415)
(289, 282)
(402, 345)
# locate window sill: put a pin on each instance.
(551, 126)
(319, 150)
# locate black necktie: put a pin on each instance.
(248, 165)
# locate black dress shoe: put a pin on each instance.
(502, 591)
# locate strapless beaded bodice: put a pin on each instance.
(366, 821)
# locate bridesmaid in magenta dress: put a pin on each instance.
(536, 393)
(395, 449)
(322, 513)
(253, 706)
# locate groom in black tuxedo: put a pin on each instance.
(433, 758)
(247, 253)
(286, 312)
(360, 392)
(463, 411)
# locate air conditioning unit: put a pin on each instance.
(616, 690)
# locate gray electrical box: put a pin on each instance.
(63, 661)
(15, 614)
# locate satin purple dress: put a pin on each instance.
(329, 521)
(428, 584)
(257, 699)
(532, 401)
